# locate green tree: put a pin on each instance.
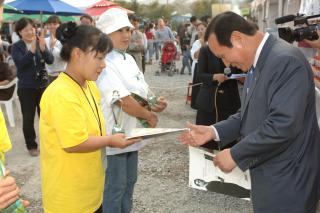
(202, 7)
(182, 7)
(135, 6)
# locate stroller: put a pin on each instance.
(168, 57)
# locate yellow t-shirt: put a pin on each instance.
(5, 144)
(71, 182)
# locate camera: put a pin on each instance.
(42, 76)
(307, 27)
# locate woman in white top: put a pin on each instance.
(120, 78)
(54, 46)
(195, 50)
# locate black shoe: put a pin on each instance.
(189, 73)
(157, 73)
(181, 73)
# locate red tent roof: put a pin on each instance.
(101, 6)
(103, 3)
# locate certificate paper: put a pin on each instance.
(153, 132)
(236, 76)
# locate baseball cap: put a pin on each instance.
(113, 20)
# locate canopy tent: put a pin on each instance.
(45, 7)
(9, 9)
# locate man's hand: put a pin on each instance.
(314, 43)
(224, 161)
(197, 136)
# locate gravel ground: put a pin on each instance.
(162, 185)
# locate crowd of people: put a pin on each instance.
(82, 80)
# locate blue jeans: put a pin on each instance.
(156, 48)
(149, 51)
(121, 175)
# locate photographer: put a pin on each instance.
(30, 55)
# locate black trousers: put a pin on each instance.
(29, 101)
(195, 90)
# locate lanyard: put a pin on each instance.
(97, 117)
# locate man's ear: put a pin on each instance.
(237, 39)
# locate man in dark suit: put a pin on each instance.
(280, 138)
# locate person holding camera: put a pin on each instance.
(314, 43)
(30, 55)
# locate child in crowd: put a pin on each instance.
(186, 56)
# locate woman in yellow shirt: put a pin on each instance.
(72, 129)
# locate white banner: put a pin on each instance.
(204, 175)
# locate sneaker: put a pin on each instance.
(34, 152)
(181, 73)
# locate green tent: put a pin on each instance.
(7, 7)
(15, 17)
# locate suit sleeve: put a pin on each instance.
(287, 94)
(229, 130)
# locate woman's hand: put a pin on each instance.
(119, 141)
(220, 77)
(42, 43)
(160, 105)
(202, 42)
(33, 45)
(53, 41)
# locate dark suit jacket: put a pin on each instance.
(228, 100)
(28, 64)
(280, 135)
